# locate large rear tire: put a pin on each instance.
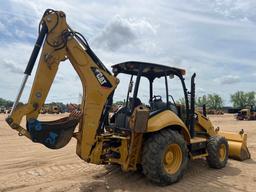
(165, 157)
(217, 148)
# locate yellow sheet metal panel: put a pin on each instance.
(231, 136)
(94, 96)
(237, 145)
(165, 119)
(203, 123)
(139, 119)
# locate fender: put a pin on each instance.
(165, 119)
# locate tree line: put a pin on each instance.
(8, 103)
(239, 99)
(5, 103)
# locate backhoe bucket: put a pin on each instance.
(52, 134)
(237, 145)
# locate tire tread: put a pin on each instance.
(152, 158)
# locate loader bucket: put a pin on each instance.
(237, 145)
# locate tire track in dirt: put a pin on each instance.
(26, 166)
(198, 177)
(44, 174)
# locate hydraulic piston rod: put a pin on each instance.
(31, 63)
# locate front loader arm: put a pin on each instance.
(60, 42)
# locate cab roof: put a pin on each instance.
(149, 70)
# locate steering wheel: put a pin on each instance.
(173, 102)
(173, 105)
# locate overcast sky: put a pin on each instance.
(214, 38)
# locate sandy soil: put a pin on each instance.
(26, 166)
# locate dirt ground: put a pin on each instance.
(26, 166)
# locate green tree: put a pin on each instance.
(119, 103)
(200, 101)
(5, 103)
(214, 101)
(242, 99)
(181, 101)
(251, 100)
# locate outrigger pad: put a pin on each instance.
(52, 134)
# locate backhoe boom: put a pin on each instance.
(62, 43)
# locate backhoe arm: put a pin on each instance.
(60, 42)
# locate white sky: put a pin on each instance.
(214, 38)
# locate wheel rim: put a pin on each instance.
(172, 158)
(222, 152)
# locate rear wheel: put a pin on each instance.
(165, 157)
(217, 148)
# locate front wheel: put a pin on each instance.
(165, 157)
(217, 148)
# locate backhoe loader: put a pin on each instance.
(159, 136)
(246, 114)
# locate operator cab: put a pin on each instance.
(151, 85)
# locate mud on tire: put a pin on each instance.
(154, 151)
(214, 158)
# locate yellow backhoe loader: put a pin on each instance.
(159, 136)
(246, 114)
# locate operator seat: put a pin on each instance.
(136, 103)
(159, 105)
(121, 117)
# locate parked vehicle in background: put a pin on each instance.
(246, 114)
(9, 110)
(52, 109)
(2, 109)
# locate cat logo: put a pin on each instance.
(101, 78)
